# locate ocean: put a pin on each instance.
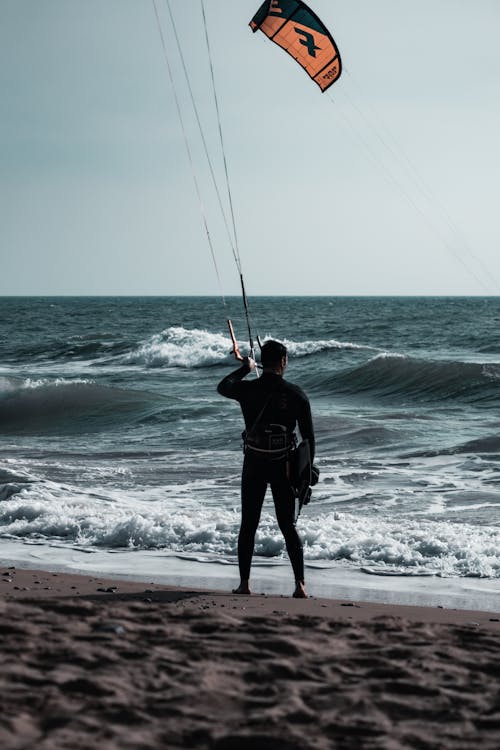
(117, 451)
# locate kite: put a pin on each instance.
(294, 27)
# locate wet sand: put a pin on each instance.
(89, 662)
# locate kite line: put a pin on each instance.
(188, 148)
(234, 247)
(432, 212)
(232, 237)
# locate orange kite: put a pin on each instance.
(294, 27)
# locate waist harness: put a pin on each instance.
(268, 439)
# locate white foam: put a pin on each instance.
(7, 385)
(179, 519)
(305, 348)
(442, 548)
(11, 385)
(491, 371)
(180, 347)
(33, 384)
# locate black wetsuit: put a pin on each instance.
(285, 404)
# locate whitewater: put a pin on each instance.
(116, 448)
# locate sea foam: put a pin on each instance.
(167, 519)
(181, 347)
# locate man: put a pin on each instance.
(272, 409)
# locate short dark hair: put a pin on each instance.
(272, 353)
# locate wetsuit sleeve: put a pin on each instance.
(230, 386)
(306, 425)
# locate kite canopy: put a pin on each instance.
(294, 27)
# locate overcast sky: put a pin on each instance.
(387, 184)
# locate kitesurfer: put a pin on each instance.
(272, 409)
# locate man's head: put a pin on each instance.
(274, 356)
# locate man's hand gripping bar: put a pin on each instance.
(236, 350)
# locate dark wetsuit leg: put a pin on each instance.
(257, 474)
(253, 490)
(284, 504)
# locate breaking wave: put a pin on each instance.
(181, 347)
(398, 376)
(29, 406)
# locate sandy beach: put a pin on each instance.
(91, 662)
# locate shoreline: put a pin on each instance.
(331, 583)
(20, 584)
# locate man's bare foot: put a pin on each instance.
(300, 592)
(243, 588)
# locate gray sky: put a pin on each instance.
(387, 184)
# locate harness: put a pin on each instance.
(270, 440)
